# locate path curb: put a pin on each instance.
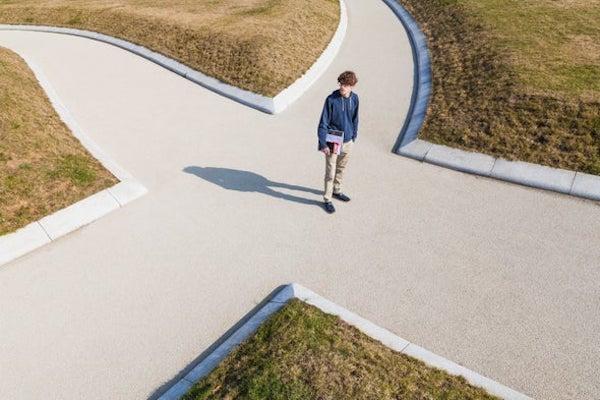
(409, 145)
(422, 76)
(389, 339)
(81, 213)
(270, 105)
(537, 176)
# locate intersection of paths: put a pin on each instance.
(500, 278)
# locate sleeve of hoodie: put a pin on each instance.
(355, 120)
(324, 125)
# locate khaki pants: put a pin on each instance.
(334, 170)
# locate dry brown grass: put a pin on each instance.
(259, 45)
(553, 45)
(301, 353)
(515, 78)
(43, 168)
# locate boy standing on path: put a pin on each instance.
(340, 113)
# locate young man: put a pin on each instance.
(340, 113)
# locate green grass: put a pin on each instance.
(517, 79)
(43, 168)
(73, 168)
(554, 45)
(302, 353)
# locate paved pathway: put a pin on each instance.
(500, 278)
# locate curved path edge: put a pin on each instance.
(523, 173)
(270, 306)
(83, 212)
(422, 76)
(270, 105)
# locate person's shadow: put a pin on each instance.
(244, 181)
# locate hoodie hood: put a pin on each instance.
(336, 93)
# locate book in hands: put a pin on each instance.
(335, 141)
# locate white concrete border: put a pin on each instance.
(62, 222)
(271, 105)
(522, 173)
(421, 90)
(296, 90)
(537, 176)
(382, 335)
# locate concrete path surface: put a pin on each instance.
(502, 279)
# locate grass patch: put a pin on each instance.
(43, 168)
(258, 45)
(73, 168)
(302, 353)
(518, 79)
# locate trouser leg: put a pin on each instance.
(341, 163)
(330, 167)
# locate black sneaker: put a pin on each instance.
(341, 197)
(329, 207)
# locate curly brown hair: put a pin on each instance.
(348, 78)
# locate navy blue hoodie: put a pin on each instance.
(341, 114)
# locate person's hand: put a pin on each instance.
(326, 150)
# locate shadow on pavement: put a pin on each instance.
(245, 181)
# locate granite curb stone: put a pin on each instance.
(539, 176)
(417, 149)
(586, 185)
(294, 290)
(370, 329)
(237, 338)
(126, 191)
(474, 378)
(465, 161)
(576, 184)
(22, 241)
(422, 76)
(178, 390)
(79, 214)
